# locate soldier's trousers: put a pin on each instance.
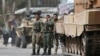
(56, 42)
(47, 41)
(63, 42)
(36, 39)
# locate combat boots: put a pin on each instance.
(44, 51)
(38, 52)
(49, 52)
(33, 52)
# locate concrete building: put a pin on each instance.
(44, 3)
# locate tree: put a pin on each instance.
(10, 7)
(3, 11)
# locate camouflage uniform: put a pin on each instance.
(47, 31)
(36, 36)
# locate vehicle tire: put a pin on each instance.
(23, 42)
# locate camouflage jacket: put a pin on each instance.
(48, 26)
(37, 26)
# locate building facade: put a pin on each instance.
(44, 3)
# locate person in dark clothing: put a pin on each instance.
(5, 36)
(13, 36)
(56, 37)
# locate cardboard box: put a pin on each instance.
(69, 19)
(91, 16)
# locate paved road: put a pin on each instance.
(14, 51)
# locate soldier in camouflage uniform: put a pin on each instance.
(47, 31)
(36, 36)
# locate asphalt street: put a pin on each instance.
(14, 51)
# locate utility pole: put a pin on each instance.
(13, 7)
(12, 14)
(28, 7)
(4, 12)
